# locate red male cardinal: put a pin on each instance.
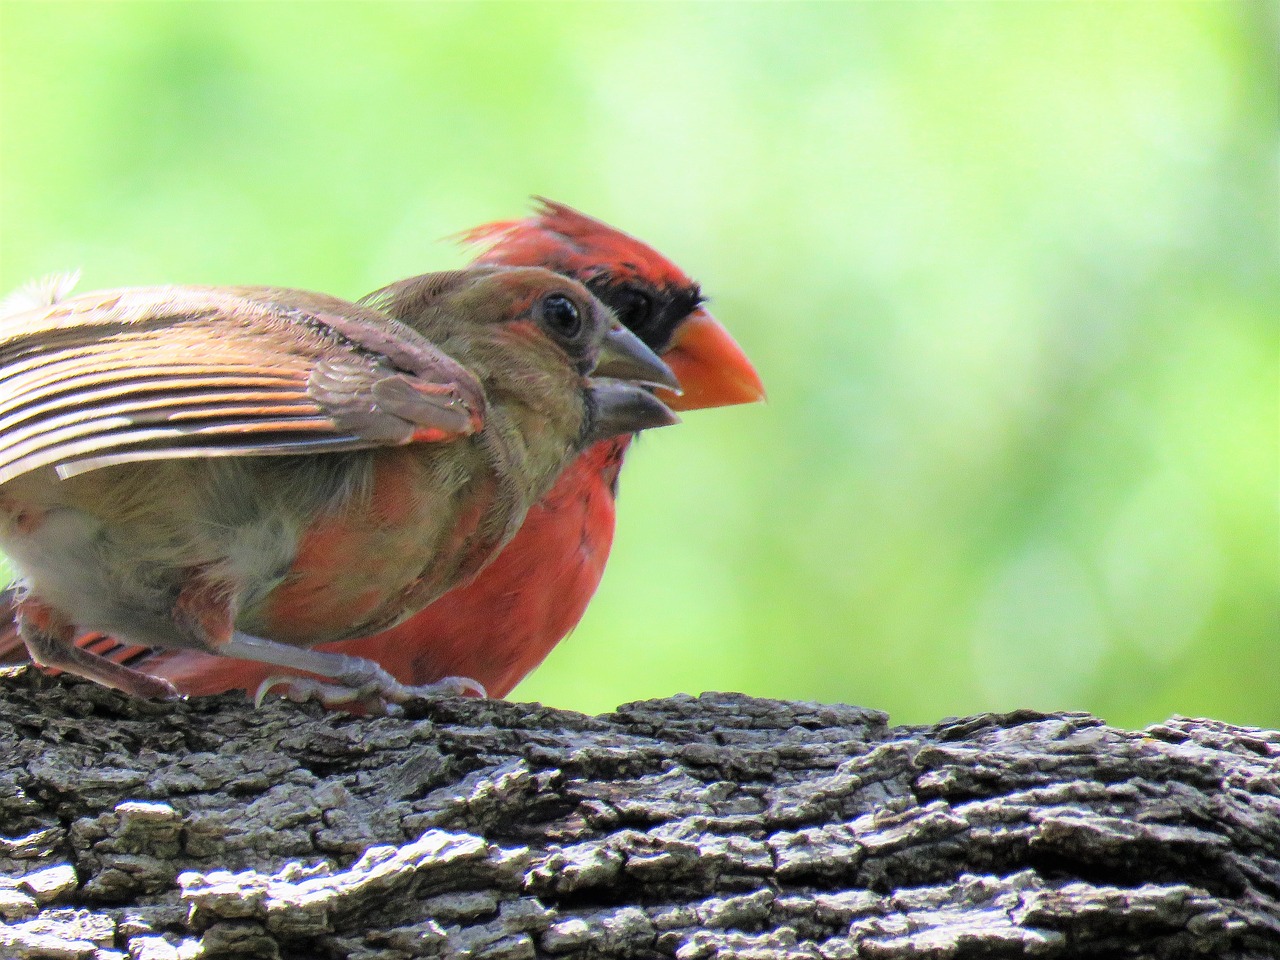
(501, 625)
(254, 471)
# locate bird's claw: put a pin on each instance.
(450, 687)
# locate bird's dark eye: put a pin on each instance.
(633, 307)
(562, 315)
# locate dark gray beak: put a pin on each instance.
(624, 356)
(619, 407)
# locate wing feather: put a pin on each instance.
(134, 375)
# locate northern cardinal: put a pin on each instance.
(254, 471)
(501, 625)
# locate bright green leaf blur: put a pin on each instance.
(1009, 272)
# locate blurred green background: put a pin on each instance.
(1009, 272)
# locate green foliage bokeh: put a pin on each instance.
(1009, 273)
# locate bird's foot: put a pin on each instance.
(380, 695)
(349, 682)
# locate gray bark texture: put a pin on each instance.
(689, 828)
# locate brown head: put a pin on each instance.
(539, 341)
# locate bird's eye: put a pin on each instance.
(633, 307)
(562, 315)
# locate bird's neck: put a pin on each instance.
(531, 442)
(535, 408)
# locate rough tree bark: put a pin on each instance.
(721, 826)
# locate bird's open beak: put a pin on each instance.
(711, 367)
(619, 407)
(624, 356)
(621, 399)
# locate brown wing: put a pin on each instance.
(162, 372)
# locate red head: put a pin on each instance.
(650, 295)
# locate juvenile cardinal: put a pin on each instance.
(501, 625)
(252, 472)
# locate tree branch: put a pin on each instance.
(722, 826)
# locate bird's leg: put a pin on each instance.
(50, 638)
(353, 679)
(203, 611)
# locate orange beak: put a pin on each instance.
(710, 366)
